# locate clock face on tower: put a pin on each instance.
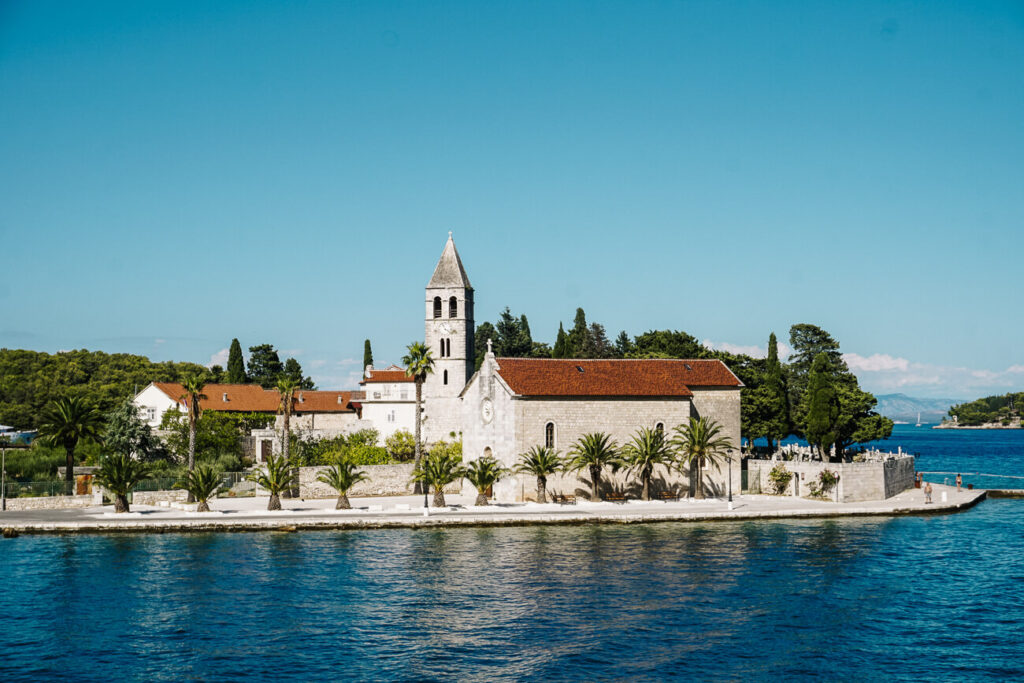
(446, 328)
(487, 410)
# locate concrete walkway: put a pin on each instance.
(250, 514)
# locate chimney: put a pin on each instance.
(224, 397)
(302, 399)
(339, 399)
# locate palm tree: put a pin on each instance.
(341, 476)
(277, 478)
(418, 364)
(438, 469)
(483, 474)
(66, 422)
(193, 386)
(119, 473)
(541, 462)
(699, 444)
(202, 483)
(594, 452)
(646, 449)
(286, 387)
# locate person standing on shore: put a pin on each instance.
(959, 482)
(928, 492)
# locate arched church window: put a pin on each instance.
(549, 435)
(453, 307)
(446, 377)
(437, 307)
(448, 348)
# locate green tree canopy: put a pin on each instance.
(30, 380)
(126, 433)
(265, 365)
(236, 364)
(367, 354)
(667, 344)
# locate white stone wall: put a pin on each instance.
(495, 437)
(50, 502)
(721, 404)
(338, 423)
(383, 480)
(858, 481)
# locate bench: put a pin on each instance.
(615, 497)
(667, 495)
(563, 499)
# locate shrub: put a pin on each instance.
(780, 478)
(360, 454)
(401, 446)
(827, 481)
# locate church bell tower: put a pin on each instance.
(449, 334)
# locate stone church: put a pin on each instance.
(512, 404)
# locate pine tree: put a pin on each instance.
(236, 364)
(560, 343)
(775, 418)
(265, 366)
(367, 354)
(623, 345)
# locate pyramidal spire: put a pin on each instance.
(449, 271)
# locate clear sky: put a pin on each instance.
(175, 174)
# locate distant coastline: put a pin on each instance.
(987, 425)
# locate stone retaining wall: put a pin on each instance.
(50, 502)
(382, 480)
(156, 497)
(858, 481)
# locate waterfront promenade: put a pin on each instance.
(250, 514)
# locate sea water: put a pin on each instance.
(902, 598)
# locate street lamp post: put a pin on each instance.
(730, 480)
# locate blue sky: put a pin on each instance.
(174, 175)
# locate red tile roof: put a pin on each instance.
(654, 377)
(252, 398)
(387, 376)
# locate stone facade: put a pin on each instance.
(499, 423)
(449, 333)
(858, 481)
(157, 497)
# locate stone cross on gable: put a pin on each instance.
(489, 350)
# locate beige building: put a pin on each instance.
(512, 404)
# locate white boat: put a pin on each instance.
(918, 420)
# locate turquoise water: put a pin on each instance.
(908, 598)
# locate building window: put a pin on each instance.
(660, 427)
(437, 307)
(549, 435)
(446, 377)
(448, 348)
(453, 307)
(151, 414)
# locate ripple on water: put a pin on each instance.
(903, 598)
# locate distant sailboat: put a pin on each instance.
(918, 420)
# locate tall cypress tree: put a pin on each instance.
(236, 364)
(367, 354)
(559, 350)
(775, 418)
(578, 343)
(822, 406)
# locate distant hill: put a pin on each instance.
(903, 408)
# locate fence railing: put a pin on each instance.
(40, 489)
